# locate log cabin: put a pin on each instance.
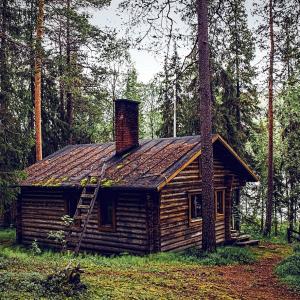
(149, 198)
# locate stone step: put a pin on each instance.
(247, 243)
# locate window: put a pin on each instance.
(219, 199)
(195, 207)
(106, 211)
(71, 201)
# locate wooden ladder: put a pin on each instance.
(89, 194)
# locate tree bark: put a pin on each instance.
(4, 69)
(237, 69)
(38, 80)
(208, 223)
(70, 104)
(269, 206)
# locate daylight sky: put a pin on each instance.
(147, 64)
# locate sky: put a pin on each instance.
(148, 64)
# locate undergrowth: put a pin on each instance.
(7, 235)
(224, 256)
(255, 231)
(26, 273)
(289, 269)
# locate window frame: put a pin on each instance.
(112, 227)
(190, 194)
(223, 201)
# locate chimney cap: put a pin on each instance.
(127, 100)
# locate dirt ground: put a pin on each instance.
(256, 281)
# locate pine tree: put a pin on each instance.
(269, 207)
(38, 80)
(208, 222)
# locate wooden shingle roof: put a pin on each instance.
(150, 165)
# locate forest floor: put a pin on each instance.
(256, 281)
(158, 276)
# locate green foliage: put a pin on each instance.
(289, 269)
(255, 231)
(7, 235)
(67, 220)
(35, 248)
(58, 236)
(174, 275)
(33, 284)
(65, 282)
(224, 256)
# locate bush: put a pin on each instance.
(23, 282)
(66, 282)
(289, 269)
(59, 285)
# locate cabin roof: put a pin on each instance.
(151, 165)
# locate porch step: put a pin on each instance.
(243, 238)
(247, 243)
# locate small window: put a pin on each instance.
(219, 198)
(107, 211)
(195, 207)
(71, 202)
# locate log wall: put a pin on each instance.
(42, 209)
(177, 233)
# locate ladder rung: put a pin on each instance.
(90, 196)
(82, 206)
(80, 217)
(76, 229)
(73, 240)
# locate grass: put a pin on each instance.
(187, 275)
(7, 235)
(289, 269)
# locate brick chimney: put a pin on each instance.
(126, 125)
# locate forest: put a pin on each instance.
(55, 53)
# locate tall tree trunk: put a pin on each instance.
(208, 223)
(269, 206)
(70, 104)
(31, 122)
(61, 74)
(38, 80)
(291, 212)
(262, 211)
(275, 219)
(237, 68)
(4, 70)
